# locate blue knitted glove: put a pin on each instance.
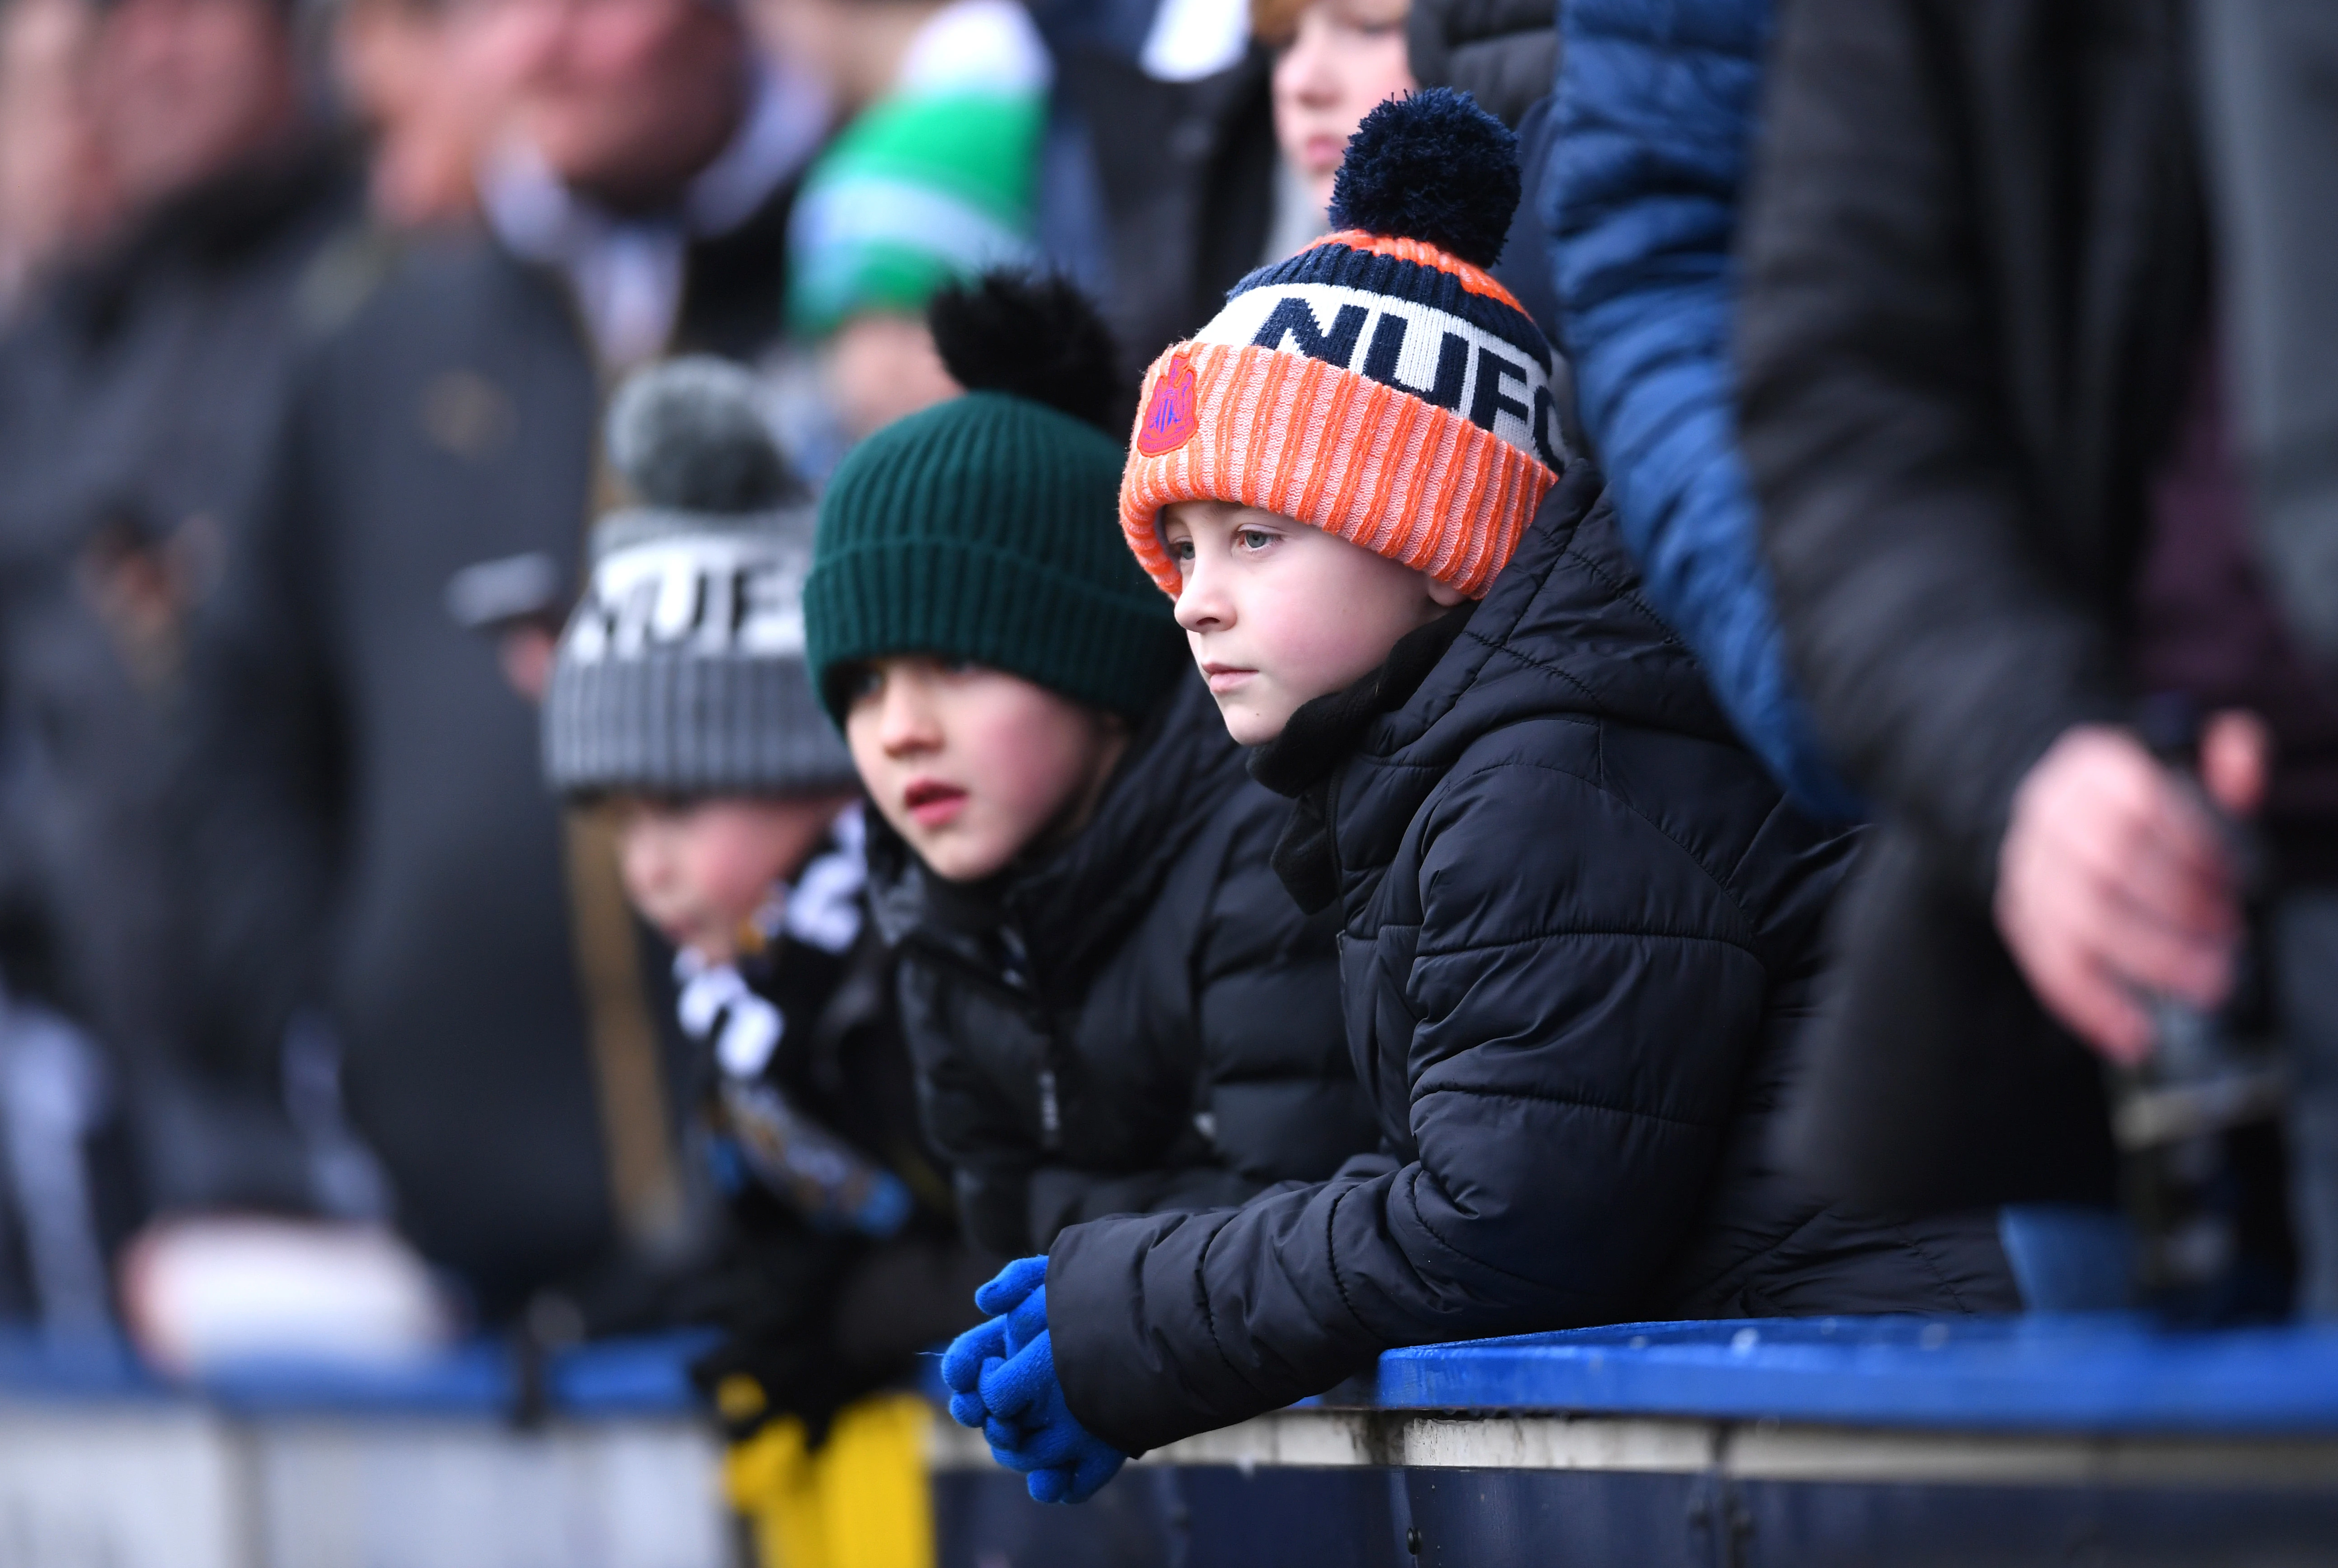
(1031, 1429)
(1002, 1379)
(1019, 1299)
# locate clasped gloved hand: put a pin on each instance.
(1002, 1379)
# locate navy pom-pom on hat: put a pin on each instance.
(1433, 167)
(1381, 384)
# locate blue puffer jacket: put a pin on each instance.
(1639, 193)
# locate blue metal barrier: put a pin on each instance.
(426, 1464)
(2095, 1373)
(2040, 1440)
(1848, 1441)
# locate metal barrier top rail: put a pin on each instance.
(2093, 1374)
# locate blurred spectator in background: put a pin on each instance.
(139, 387)
(931, 182)
(1985, 412)
(55, 193)
(1334, 62)
(2271, 124)
(367, 823)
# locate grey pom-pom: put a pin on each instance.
(690, 436)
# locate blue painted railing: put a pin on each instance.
(625, 1378)
(2097, 1373)
(2093, 1373)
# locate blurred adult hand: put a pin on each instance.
(2113, 880)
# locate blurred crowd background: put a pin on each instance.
(320, 1023)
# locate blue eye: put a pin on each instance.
(1252, 539)
(856, 684)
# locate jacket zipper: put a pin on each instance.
(1018, 979)
(1051, 1124)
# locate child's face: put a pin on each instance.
(699, 870)
(1279, 612)
(970, 765)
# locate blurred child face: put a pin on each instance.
(699, 870)
(973, 766)
(1279, 612)
(1345, 59)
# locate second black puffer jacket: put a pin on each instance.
(1144, 1021)
(1581, 930)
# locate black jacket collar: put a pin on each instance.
(1563, 630)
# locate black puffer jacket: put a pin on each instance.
(1581, 929)
(1145, 1021)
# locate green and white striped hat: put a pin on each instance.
(929, 184)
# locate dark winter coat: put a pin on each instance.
(1973, 280)
(1640, 194)
(1580, 930)
(366, 818)
(1504, 55)
(1145, 1022)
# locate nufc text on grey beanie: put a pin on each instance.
(681, 670)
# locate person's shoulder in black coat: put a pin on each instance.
(1143, 1020)
(1581, 926)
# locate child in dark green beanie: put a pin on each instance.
(1113, 1005)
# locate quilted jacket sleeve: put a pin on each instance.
(1574, 1009)
(1640, 194)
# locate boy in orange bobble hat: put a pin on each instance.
(1580, 925)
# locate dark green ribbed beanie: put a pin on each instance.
(987, 528)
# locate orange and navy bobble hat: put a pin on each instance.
(1380, 385)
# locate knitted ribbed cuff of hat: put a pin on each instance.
(1007, 610)
(682, 724)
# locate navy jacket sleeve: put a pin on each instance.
(1640, 195)
(1572, 1008)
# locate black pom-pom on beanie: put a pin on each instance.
(1030, 337)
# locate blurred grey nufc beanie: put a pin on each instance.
(682, 672)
